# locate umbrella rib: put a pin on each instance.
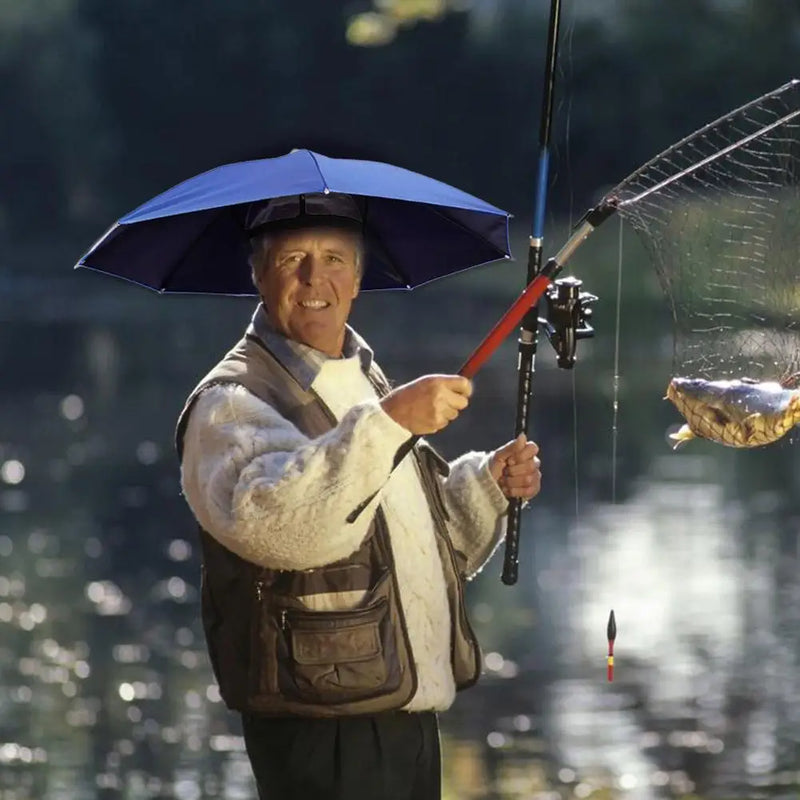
(470, 231)
(383, 249)
(384, 252)
(326, 188)
(402, 274)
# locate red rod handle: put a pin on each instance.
(510, 320)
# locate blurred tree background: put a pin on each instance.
(107, 102)
(106, 690)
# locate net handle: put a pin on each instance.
(703, 161)
(793, 84)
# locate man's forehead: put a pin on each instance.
(325, 238)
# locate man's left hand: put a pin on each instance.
(516, 468)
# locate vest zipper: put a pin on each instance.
(354, 615)
(260, 596)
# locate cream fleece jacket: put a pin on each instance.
(279, 499)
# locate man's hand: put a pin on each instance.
(516, 468)
(429, 403)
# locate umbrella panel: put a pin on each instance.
(207, 252)
(425, 242)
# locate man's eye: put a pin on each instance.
(336, 259)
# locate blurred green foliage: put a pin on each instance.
(108, 102)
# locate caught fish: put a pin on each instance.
(736, 413)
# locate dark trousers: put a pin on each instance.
(389, 756)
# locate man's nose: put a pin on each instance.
(310, 269)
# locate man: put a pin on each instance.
(332, 570)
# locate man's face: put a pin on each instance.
(308, 284)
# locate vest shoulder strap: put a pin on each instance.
(251, 364)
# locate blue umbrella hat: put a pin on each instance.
(195, 237)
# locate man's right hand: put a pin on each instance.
(429, 403)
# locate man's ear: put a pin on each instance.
(253, 271)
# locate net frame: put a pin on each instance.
(714, 212)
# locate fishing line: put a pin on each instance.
(565, 105)
(615, 393)
(566, 74)
(575, 447)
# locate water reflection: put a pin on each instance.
(105, 688)
(706, 693)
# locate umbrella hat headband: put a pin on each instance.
(304, 211)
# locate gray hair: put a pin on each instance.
(261, 245)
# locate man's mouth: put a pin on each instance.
(314, 305)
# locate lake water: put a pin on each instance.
(105, 690)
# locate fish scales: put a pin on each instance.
(735, 413)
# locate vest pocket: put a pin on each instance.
(338, 656)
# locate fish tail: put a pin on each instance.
(684, 434)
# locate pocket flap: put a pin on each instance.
(353, 643)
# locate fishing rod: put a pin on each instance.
(568, 314)
(530, 323)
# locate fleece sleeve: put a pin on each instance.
(274, 496)
(477, 506)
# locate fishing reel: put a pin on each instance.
(567, 318)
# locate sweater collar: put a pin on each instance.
(302, 361)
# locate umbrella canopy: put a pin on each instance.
(192, 237)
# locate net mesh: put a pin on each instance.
(719, 213)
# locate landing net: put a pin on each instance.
(719, 213)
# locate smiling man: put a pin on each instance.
(308, 280)
(338, 637)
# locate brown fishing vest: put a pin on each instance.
(272, 654)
